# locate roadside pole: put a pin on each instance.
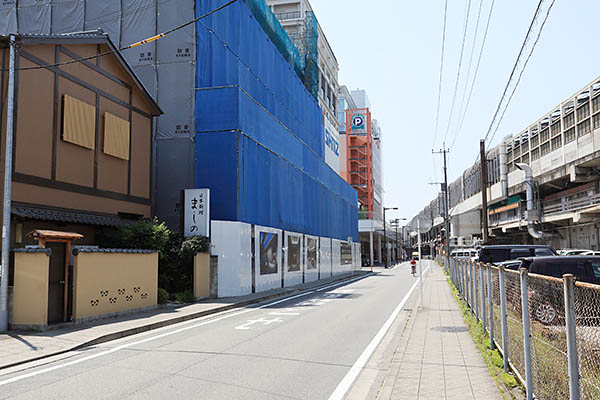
(420, 263)
(7, 189)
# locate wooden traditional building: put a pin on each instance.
(82, 154)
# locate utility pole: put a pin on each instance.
(484, 184)
(7, 189)
(445, 151)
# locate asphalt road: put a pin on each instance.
(300, 347)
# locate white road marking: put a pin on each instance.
(348, 380)
(263, 321)
(162, 335)
(166, 334)
(342, 283)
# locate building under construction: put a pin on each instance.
(240, 118)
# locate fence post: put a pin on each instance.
(503, 320)
(468, 282)
(490, 305)
(475, 292)
(482, 295)
(471, 287)
(526, 333)
(569, 288)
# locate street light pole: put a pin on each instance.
(385, 236)
(7, 189)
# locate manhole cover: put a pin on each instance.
(450, 329)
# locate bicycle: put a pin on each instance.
(413, 267)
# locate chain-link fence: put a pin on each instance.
(547, 329)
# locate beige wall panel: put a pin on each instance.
(83, 50)
(35, 121)
(140, 102)
(202, 275)
(74, 164)
(107, 283)
(30, 301)
(112, 171)
(46, 52)
(95, 78)
(25, 193)
(140, 155)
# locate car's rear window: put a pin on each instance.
(543, 252)
(516, 253)
(596, 269)
(494, 255)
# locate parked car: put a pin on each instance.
(590, 253)
(494, 254)
(546, 298)
(510, 264)
(572, 252)
(464, 254)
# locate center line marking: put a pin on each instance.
(344, 385)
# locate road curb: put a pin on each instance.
(176, 320)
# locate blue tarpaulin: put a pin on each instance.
(259, 142)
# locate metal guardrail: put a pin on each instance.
(288, 15)
(547, 329)
(565, 205)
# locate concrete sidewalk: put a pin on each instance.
(435, 356)
(21, 347)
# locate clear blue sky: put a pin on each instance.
(392, 49)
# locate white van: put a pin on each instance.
(464, 254)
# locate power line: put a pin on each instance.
(141, 42)
(462, 102)
(439, 97)
(523, 70)
(462, 49)
(462, 119)
(517, 62)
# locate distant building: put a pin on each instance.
(362, 168)
(298, 19)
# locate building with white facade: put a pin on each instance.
(562, 148)
(297, 18)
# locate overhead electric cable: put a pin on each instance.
(439, 97)
(462, 119)
(515, 67)
(523, 69)
(462, 49)
(136, 44)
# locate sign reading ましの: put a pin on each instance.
(196, 212)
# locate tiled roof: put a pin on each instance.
(77, 217)
(47, 251)
(129, 251)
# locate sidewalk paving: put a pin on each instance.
(435, 357)
(19, 347)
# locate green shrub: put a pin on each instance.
(185, 297)
(176, 254)
(163, 296)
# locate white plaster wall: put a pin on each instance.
(231, 242)
(310, 274)
(294, 277)
(324, 258)
(335, 257)
(585, 145)
(270, 281)
(596, 134)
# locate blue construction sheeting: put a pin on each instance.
(234, 50)
(259, 142)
